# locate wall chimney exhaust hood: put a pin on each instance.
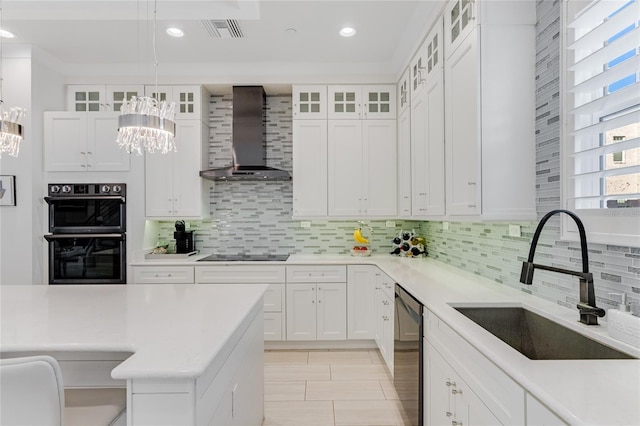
(248, 144)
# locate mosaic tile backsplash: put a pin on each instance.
(256, 216)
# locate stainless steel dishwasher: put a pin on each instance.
(407, 355)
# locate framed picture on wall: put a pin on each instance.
(7, 190)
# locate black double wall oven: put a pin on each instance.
(87, 240)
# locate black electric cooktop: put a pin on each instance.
(245, 258)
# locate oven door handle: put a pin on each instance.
(120, 198)
(53, 237)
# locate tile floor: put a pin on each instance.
(334, 387)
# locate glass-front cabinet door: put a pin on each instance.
(404, 93)
(379, 101)
(309, 102)
(344, 102)
(86, 98)
(459, 21)
(117, 95)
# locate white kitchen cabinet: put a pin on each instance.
(427, 134)
(404, 91)
(361, 102)
(484, 393)
(173, 186)
(540, 415)
(161, 274)
(361, 280)
(362, 168)
(404, 164)
(309, 168)
(192, 102)
(490, 110)
(80, 141)
(384, 322)
(273, 299)
(449, 400)
(316, 311)
(316, 300)
(97, 97)
(309, 102)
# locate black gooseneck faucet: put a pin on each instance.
(589, 312)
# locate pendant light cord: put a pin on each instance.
(1, 61)
(155, 55)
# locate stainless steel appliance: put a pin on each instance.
(245, 258)
(407, 355)
(87, 244)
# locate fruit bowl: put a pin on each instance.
(360, 252)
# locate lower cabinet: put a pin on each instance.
(449, 399)
(462, 386)
(163, 274)
(384, 318)
(361, 301)
(316, 311)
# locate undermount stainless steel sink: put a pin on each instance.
(536, 337)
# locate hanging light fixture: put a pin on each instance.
(11, 132)
(145, 123)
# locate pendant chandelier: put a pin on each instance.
(145, 123)
(11, 131)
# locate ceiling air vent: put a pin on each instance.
(222, 28)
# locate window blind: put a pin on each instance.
(603, 104)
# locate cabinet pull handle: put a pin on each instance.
(455, 423)
(454, 391)
(449, 413)
(450, 383)
(82, 165)
(313, 301)
(471, 183)
(319, 300)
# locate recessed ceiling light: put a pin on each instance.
(6, 34)
(175, 32)
(347, 32)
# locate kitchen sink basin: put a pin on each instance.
(536, 337)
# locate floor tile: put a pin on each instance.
(285, 373)
(297, 413)
(344, 390)
(376, 357)
(359, 372)
(286, 357)
(284, 391)
(388, 389)
(339, 357)
(367, 413)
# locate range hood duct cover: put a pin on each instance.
(248, 144)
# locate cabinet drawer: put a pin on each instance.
(163, 274)
(317, 274)
(501, 394)
(250, 274)
(273, 298)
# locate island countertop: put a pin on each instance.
(172, 331)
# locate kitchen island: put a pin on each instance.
(196, 351)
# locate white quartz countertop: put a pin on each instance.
(173, 331)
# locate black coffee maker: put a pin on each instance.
(184, 239)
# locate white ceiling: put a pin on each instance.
(99, 38)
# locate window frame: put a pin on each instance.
(620, 226)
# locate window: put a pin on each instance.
(601, 132)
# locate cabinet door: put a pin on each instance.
(459, 21)
(361, 301)
(103, 153)
(162, 93)
(378, 312)
(344, 102)
(86, 98)
(404, 164)
(187, 183)
(331, 311)
(469, 409)
(65, 141)
(404, 91)
(309, 102)
(380, 167)
(345, 168)
(438, 402)
(417, 69)
(189, 102)
(273, 326)
(386, 331)
(310, 168)
(379, 102)
(462, 130)
(419, 156)
(301, 311)
(158, 171)
(116, 95)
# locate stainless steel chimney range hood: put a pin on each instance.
(248, 144)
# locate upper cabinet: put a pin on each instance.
(83, 142)
(192, 102)
(489, 110)
(96, 97)
(309, 168)
(404, 91)
(362, 102)
(309, 102)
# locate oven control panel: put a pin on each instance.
(84, 189)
